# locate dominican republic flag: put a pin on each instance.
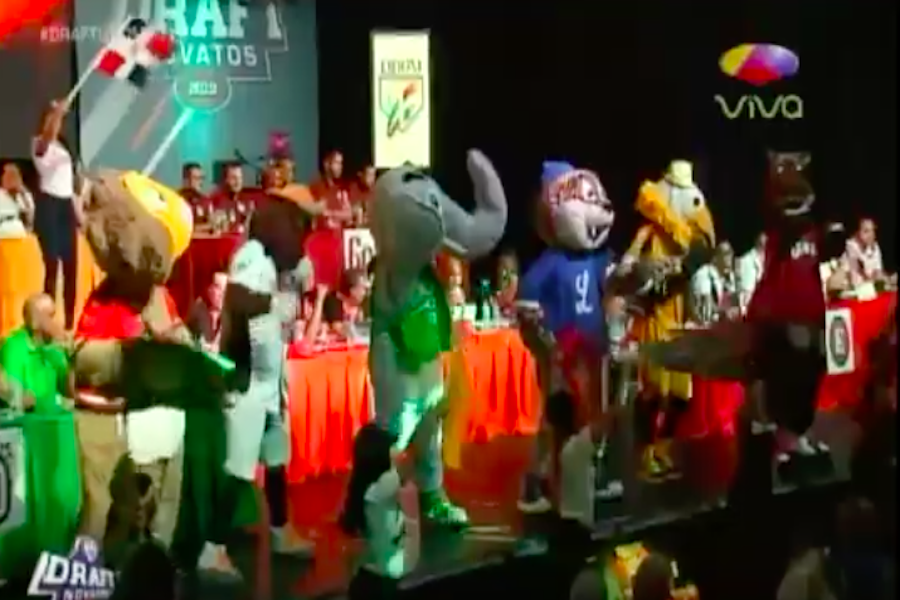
(135, 51)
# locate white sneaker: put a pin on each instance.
(286, 542)
(214, 559)
(805, 447)
(613, 489)
(535, 506)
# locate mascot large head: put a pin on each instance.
(136, 227)
(574, 210)
(413, 219)
(677, 205)
(788, 190)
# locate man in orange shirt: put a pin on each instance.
(331, 190)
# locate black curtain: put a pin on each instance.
(623, 88)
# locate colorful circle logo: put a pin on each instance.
(759, 64)
(839, 340)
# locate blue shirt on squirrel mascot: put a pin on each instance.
(564, 325)
(412, 220)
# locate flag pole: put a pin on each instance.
(167, 142)
(82, 80)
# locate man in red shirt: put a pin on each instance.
(192, 179)
(232, 197)
(331, 190)
(360, 190)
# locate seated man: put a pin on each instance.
(204, 319)
(863, 254)
(35, 365)
(714, 288)
(344, 308)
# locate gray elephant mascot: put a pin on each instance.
(412, 220)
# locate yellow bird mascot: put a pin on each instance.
(676, 239)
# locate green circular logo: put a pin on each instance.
(203, 90)
(839, 340)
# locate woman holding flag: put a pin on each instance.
(57, 209)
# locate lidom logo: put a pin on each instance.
(758, 65)
(400, 93)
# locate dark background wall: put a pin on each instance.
(625, 87)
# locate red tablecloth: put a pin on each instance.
(206, 256)
(330, 399)
(715, 403)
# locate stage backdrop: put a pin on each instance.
(35, 66)
(624, 88)
(241, 71)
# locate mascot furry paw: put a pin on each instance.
(412, 220)
(136, 228)
(566, 284)
(677, 239)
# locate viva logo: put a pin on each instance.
(759, 65)
(752, 107)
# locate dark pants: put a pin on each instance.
(791, 377)
(55, 226)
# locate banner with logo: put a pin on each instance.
(839, 341)
(12, 479)
(241, 71)
(359, 248)
(401, 99)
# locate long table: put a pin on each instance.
(331, 398)
(715, 403)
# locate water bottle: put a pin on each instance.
(482, 301)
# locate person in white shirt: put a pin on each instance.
(16, 203)
(372, 512)
(57, 213)
(863, 254)
(714, 288)
(750, 269)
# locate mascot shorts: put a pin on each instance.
(254, 434)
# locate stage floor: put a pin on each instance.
(502, 539)
(488, 488)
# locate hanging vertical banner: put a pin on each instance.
(401, 102)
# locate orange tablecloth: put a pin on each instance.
(194, 271)
(22, 274)
(715, 403)
(330, 398)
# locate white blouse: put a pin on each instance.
(12, 207)
(56, 170)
